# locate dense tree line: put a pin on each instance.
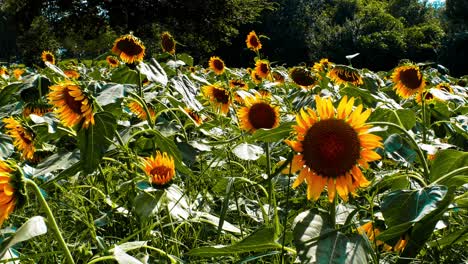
(297, 31)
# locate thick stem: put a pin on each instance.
(52, 222)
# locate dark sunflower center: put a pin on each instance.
(49, 58)
(221, 95)
(238, 83)
(264, 68)
(331, 148)
(347, 76)
(25, 137)
(302, 77)
(218, 65)
(262, 115)
(410, 78)
(428, 96)
(129, 47)
(73, 104)
(160, 171)
(112, 61)
(253, 41)
(167, 43)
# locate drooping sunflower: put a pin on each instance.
(262, 68)
(408, 80)
(129, 48)
(72, 74)
(237, 83)
(446, 87)
(37, 108)
(18, 72)
(48, 56)
(194, 116)
(139, 110)
(11, 190)
(4, 73)
(112, 61)
(342, 74)
(278, 77)
(322, 66)
(257, 79)
(71, 104)
(258, 113)
(160, 168)
(372, 232)
(331, 146)
(168, 43)
(218, 97)
(217, 65)
(303, 77)
(23, 137)
(253, 42)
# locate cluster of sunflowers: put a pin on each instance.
(333, 146)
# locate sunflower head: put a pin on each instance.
(136, 108)
(23, 137)
(168, 43)
(278, 77)
(72, 74)
(72, 104)
(129, 48)
(159, 168)
(262, 68)
(217, 65)
(218, 96)
(331, 145)
(18, 72)
(112, 61)
(253, 42)
(48, 56)
(322, 66)
(258, 113)
(446, 87)
(237, 84)
(408, 80)
(257, 79)
(303, 77)
(12, 193)
(4, 72)
(196, 118)
(372, 232)
(342, 74)
(37, 108)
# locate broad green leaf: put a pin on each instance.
(447, 161)
(58, 161)
(246, 151)
(124, 75)
(35, 226)
(404, 206)
(185, 87)
(185, 58)
(6, 146)
(262, 239)
(458, 236)
(398, 149)
(147, 204)
(272, 135)
(167, 145)
(154, 72)
(128, 246)
(214, 220)
(401, 117)
(317, 242)
(94, 141)
(110, 93)
(123, 258)
(6, 94)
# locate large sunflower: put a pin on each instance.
(10, 196)
(72, 104)
(257, 79)
(258, 113)
(253, 42)
(160, 168)
(303, 77)
(331, 145)
(48, 56)
(408, 80)
(129, 48)
(218, 96)
(139, 110)
(342, 74)
(112, 61)
(262, 68)
(168, 43)
(217, 65)
(23, 137)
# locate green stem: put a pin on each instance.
(333, 211)
(96, 260)
(285, 220)
(450, 174)
(413, 141)
(423, 105)
(142, 102)
(52, 222)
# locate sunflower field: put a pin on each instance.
(130, 159)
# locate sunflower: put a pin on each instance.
(23, 137)
(72, 74)
(72, 104)
(342, 74)
(168, 43)
(4, 73)
(257, 79)
(408, 80)
(233, 84)
(331, 144)
(129, 48)
(218, 96)
(445, 87)
(253, 42)
(160, 168)
(11, 190)
(196, 118)
(258, 113)
(217, 65)
(401, 243)
(372, 232)
(48, 56)
(17, 73)
(139, 110)
(303, 77)
(36, 108)
(262, 68)
(278, 77)
(112, 61)
(322, 66)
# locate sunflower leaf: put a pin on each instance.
(447, 161)
(248, 151)
(272, 135)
